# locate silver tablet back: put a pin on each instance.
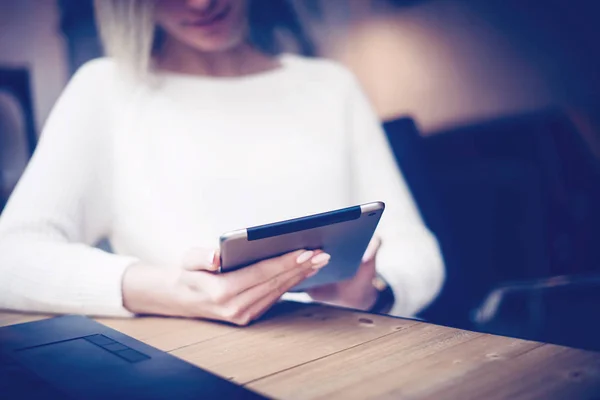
(344, 234)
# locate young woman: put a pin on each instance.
(196, 125)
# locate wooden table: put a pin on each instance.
(312, 352)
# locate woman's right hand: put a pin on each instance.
(238, 297)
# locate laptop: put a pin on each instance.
(74, 357)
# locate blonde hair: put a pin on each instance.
(130, 36)
(127, 30)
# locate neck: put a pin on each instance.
(238, 61)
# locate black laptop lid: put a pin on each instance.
(76, 357)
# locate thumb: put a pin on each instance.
(323, 293)
(372, 249)
(201, 259)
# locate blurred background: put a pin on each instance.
(492, 111)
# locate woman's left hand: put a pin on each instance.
(357, 292)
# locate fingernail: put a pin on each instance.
(367, 256)
(372, 250)
(211, 258)
(304, 257)
(320, 258)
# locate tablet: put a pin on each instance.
(343, 233)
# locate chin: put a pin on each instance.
(217, 46)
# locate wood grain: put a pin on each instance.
(545, 372)
(168, 334)
(303, 351)
(288, 341)
(364, 371)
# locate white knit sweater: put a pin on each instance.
(172, 163)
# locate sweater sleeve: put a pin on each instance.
(409, 258)
(61, 207)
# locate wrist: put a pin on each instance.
(385, 298)
(147, 289)
(369, 299)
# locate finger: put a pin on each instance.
(367, 270)
(242, 309)
(264, 271)
(257, 309)
(222, 289)
(323, 293)
(365, 274)
(372, 249)
(201, 259)
(278, 284)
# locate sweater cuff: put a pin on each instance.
(62, 278)
(99, 288)
(415, 275)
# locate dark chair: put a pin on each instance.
(548, 144)
(561, 310)
(407, 144)
(486, 214)
(17, 130)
